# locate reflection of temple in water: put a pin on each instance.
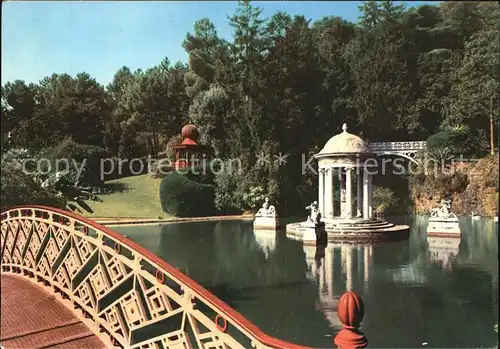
(443, 250)
(336, 269)
(266, 239)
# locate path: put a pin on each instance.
(32, 318)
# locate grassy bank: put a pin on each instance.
(132, 197)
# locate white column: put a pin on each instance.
(322, 277)
(321, 192)
(342, 258)
(343, 210)
(348, 192)
(366, 265)
(370, 196)
(332, 194)
(314, 270)
(328, 194)
(348, 273)
(329, 267)
(359, 263)
(366, 194)
(359, 193)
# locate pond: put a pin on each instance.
(415, 295)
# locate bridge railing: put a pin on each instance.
(119, 288)
(397, 146)
(128, 296)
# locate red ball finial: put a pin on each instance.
(350, 311)
(190, 131)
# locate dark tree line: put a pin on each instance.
(284, 84)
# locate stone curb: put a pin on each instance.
(135, 221)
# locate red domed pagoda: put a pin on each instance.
(189, 149)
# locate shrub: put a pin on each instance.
(228, 196)
(17, 188)
(68, 149)
(384, 199)
(459, 182)
(490, 203)
(183, 197)
(170, 152)
(195, 173)
(254, 197)
(439, 140)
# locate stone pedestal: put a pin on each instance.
(309, 236)
(314, 234)
(266, 218)
(266, 223)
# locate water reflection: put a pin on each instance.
(419, 290)
(323, 266)
(443, 250)
(266, 239)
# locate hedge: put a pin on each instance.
(183, 197)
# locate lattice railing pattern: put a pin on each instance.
(128, 293)
(397, 146)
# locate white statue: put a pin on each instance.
(266, 210)
(444, 211)
(315, 214)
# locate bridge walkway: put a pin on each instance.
(33, 318)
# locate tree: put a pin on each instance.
(153, 105)
(476, 82)
(371, 14)
(205, 49)
(381, 63)
(18, 107)
(463, 15)
(374, 13)
(437, 51)
(391, 12)
(65, 106)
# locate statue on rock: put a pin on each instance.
(266, 210)
(314, 214)
(444, 211)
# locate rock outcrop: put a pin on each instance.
(471, 187)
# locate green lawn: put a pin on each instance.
(132, 197)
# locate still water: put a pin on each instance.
(413, 292)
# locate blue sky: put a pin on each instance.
(40, 38)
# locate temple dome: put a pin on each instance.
(343, 143)
(190, 131)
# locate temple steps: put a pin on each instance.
(358, 230)
(372, 225)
